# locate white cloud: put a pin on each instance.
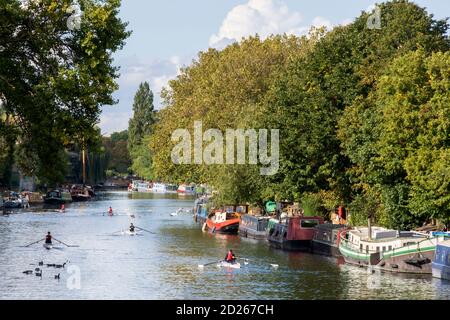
(264, 17)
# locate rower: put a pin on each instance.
(132, 228)
(230, 258)
(48, 238)
(110, 211)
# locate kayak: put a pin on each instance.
(224, 264)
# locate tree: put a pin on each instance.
(54, 78)
(143, 118)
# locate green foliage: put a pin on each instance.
(142, 160)
(117, 153)
(143, 118)
(363, 114)
(53, 80)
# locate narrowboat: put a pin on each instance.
(81, 193)
(223, 222)
(254, 227)
(440, 266)
(326, 239)
(57, 197)
(389, 250)
(201, 210)
(294, 233)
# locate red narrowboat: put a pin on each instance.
(294, 233)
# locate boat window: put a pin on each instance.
(384, 249)
(378, 249)
(310, 223)
(390, 248)
(361, 247)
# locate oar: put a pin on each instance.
(201, 266)
(33, 243)
(70, 246)
(145, 230)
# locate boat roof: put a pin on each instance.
(331, 226)
(445, 243)
(363, 233)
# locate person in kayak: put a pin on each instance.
(132, 228)
(48, 238)
(230, 258)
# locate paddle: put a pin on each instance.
(70, 246)
(201, 266)
(33, 243)
(145, 230)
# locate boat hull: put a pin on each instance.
(252, 234)
(48, 246)
(440, 271)
(224, 264)
(408, 262)
(325, 249)
(226, 227)
(291, 245)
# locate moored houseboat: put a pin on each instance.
(254, 227)
(223, 222)
(389, 250)
(57, 197)
(441, 263)
(226, 220)
(326, 239)
(81, 193)
(294, 233)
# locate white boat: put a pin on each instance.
(140, 186)
(48, 246)
(186, 190)
(131, 233)
(224, 264)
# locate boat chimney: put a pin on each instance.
(369, 231)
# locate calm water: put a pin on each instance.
(165, 265)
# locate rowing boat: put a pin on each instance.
(130, 233)
(224, 264)
(48, 246)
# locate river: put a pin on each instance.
(164, 264)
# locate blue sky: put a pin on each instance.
(168, 35)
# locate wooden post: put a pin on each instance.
(84, 165)
(369, 231)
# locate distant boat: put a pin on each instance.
(14, 201)
(81, 193)
(389, 250)
(140, 186)
(186, 190)
(164, 188)
(58, 197)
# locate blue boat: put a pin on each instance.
(441, 264)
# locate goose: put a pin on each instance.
(28, 272)
(50, 265)
(59, 266)
(41, 263)
(39, 273)
(37, 269)
(57, 276)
